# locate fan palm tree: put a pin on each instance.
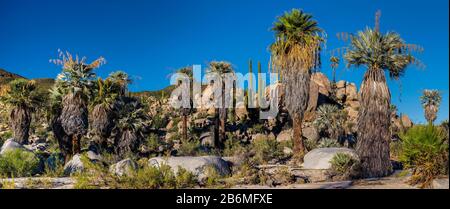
(221, 68)
(104, 111)
(77, 79)
(23, 97)
(379, 53)
(331, 120)
(431, 100)
(334, 65)
(186, 111)
(296, 53)
(132, 124)
(53, 116)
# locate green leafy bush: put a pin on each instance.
(342, 164)
(189, 148)
(327, 142)
(233, 147)
(424, 150)
(146, 177)
(265, 149)
(18, 163)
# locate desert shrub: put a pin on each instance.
(5, 136)
(18, 163)
(233, 147)
(185, 179)
(158, 122)
(327, 142)
(342, 164)
(311, 144)
(265, 149)
(189, 148)
(258, 128)
(212, 177)
(146, 177)
(424, 151)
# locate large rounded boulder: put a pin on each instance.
(197, 165)
(320, 158)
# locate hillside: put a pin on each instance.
(6, 77)
(46, 83)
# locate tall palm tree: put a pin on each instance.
(379, 53)
(296, 53)
(221, 68)
(186, 111)
(77, 79)
(53, 116)
(104, 105)
(334, 65)
(23, 97)
(132, 124)
(431, 100)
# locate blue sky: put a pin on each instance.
(150, 39)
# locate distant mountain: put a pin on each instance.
(6, 77)
(43, 83)
(46, 83)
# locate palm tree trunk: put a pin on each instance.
(76, 145)
(20, 124)
(216, 128)
(185, 136)
(373, 125)
(299, 147)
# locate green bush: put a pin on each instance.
(327, 143)
(265, 149)
(185, 178)
(146, 177)
(189, 148)
(424, 151)
(18, 163)
(152, 142)
(233, 147)
(5, 136)
(342, 164)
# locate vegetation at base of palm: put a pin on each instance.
(296, 52)
(378, 52)
(5, 136)
(425, 151)
(23, 99)
(264, 150)
(431, 100)
(190, 148)
(234, 147)
(327, 143)
(18, 163)
(146, 177)
(330, 121)
(344, 165)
